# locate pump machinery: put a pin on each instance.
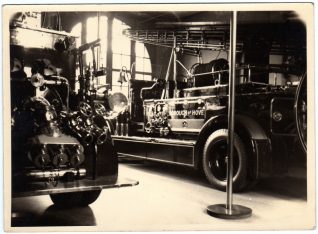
(61, 141)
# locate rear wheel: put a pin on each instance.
(215, 160)
(301, 112)
(75, 198)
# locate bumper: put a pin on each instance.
(103, 182)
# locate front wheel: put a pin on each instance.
(215, 160)
(74, 199)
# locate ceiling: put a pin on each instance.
(164, 19)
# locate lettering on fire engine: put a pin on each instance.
(186, 112)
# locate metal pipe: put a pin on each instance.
(206, 23)
(40, 175)
(188, 72)
(167, 74)
(175, 65)
(229, 187)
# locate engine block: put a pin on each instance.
(55, 152)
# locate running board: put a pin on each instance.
(156, 149)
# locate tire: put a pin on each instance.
(301, 112)
(214, 161)
(75, 199)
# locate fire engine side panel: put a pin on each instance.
(171, 151)
(183, 115)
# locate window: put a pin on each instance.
(76, 30)
(122, 56)
(99, 31)
(143, 64)
(121, 47)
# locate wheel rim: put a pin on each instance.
(301, 112)
(217, 160)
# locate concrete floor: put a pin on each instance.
(174, 198)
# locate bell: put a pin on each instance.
(122, 75)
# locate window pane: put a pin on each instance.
(121, 60)
(93, 33)
(147, 65)
(102, 57)
(147, 77)
(103, 42)
(103, 27)
(139, 64)
(118, 27)
(115, 77)
(101, 80)
(77, 31)
(126, 61)
(121, 45)
(139, 76)
(91, 29)
(117, 61)
(140, 49)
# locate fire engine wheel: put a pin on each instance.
(75, 198)
(301, 111)
(215, 161)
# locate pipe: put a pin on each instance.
(40, 175)
(188, 72)
(175, 65)
(229, 187)
(207, 23)
(167, 74)
(89, 45)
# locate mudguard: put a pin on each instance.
(253, 136)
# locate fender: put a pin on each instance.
(253, 135)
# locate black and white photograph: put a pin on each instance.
(159, 117)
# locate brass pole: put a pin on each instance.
(230, 152)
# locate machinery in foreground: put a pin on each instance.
(59, 148)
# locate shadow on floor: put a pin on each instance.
(284, 186)
(55, 216)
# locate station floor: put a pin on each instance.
(173, 198)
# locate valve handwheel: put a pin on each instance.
(85, 109)
(100, 109)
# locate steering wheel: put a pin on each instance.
(99, 109)
(85, 109)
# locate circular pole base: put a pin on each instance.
(237, 212)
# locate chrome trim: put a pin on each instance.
(191, 144)
(204, 87)
(131, 155)
(202, 97)
(186, 130)
(160, 160)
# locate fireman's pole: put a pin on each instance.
(229, 210)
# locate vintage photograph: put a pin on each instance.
(154, 117)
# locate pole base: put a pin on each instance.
(237, 212)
